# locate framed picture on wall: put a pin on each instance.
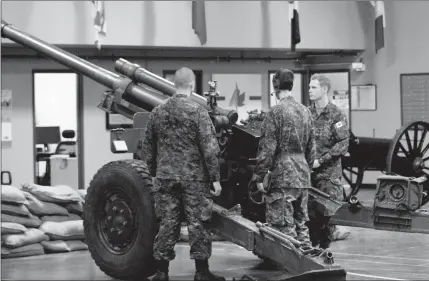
(296, 90)
(364, 97)
(169, 75)
(116, 121)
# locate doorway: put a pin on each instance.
(340, 90)
(57, 128)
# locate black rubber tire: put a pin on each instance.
(138, 261)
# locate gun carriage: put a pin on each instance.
(401, 192)
(119, 217)
(405, 155)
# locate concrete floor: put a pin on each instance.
(367, 255)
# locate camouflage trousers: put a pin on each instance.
(321, 230)
(287, 212)
(194, 198)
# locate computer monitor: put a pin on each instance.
(48, 135)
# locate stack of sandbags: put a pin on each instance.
(59, 209)
(19, 227)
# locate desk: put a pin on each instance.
(43, 174)
(64, 171)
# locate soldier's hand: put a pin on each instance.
(260, 187)
(217, 189)
(316, 164)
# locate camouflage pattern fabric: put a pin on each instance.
(288, 213)
(287, 146)
(181, 151)
(332, 140)
(197, 204)
(287, 149)
(180, 142)
(321, 230)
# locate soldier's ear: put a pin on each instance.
(325, 89)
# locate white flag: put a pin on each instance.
(99, 15)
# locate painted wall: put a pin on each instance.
(16, 75)
(238, 24)
(406, 51)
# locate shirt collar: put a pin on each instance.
(288, 98)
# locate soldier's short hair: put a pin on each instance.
(323, 80)
(283, 80)
(183, 78)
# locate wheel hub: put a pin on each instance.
(118, 226)
(418, 164)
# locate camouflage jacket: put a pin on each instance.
(332, 141)
(286, 146)
(180, 142)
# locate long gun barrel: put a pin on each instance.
(137, 73)
(146, 97)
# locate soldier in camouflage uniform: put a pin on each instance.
(287, 149)
(332, 140)
(181, 151)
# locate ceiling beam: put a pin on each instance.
(182, 53)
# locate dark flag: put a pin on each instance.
(380, 24)
(199, 20)
(295, 34)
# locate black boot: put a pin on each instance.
(203, 273)
(162, 273)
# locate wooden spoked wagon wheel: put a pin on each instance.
(409, 153)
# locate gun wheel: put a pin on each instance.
(354, 177)
(120, 221)
(408, 153)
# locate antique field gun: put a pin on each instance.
(399, 199)
(119, 217)
(405, 155)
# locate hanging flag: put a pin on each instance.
(380, 24)
(237, 98)
(199, 20)
(99, 15)
(295, 34)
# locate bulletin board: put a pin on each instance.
(414, 97)
(363, 97)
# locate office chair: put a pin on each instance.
(67, 146)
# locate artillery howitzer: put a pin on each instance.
(119, 218)
(394, 207)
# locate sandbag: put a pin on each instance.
(30, 222)
(75, 207)
(24, 251)
(12, 228)
(67, 230)
(69, 217)
(12, 194)
(54, 194)
(30, 236)
(82, 193)
(41, 208)
(76, 245)
(15, 209)
(58, 246)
